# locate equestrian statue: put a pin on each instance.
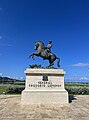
(45, 53)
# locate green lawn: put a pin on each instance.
(2, 88)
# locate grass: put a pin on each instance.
(3, 88)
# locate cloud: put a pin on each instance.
(80, 64)
(1, 74)
(6, 45)
(21, 78)
(0, 54)
(9, 45)
(84, 78)
(0, 37)
(0, 8)
(3, 44)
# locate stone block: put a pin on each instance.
(44, 86)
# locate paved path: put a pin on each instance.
(11, 109)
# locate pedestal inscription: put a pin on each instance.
(44, 86)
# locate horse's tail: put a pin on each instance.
(58, 63)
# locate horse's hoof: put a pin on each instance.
(33, 58)
(29, 56)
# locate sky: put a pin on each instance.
(65, 22)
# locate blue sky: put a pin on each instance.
(65, 22)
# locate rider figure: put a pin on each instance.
(48, 48)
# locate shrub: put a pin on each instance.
(77, 90)
(14, 89)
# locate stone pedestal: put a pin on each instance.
(44, 86)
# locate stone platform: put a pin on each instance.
(44, 86)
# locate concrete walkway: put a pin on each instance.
(11, 109)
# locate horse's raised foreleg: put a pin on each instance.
(32, 55)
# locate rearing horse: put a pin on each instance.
(42, 52)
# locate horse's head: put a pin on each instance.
(36, 45)
(39, 44)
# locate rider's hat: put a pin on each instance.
(50, 41)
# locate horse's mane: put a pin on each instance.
(41, 43)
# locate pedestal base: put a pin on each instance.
(44, 97)
(44, 86)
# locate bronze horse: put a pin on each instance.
(43, 53)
